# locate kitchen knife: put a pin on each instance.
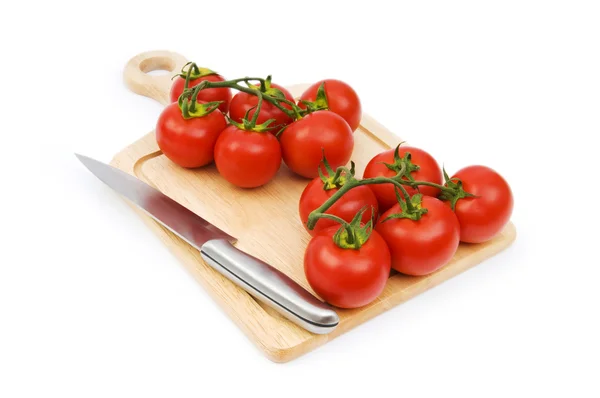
(256, 277)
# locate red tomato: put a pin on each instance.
(205, 95)
(342, 99)
(247, 159)
(188, 142)
(484, 216)
(346, 278)
(314, 195)
(241, 102)
(424, 246)
(429, 170)
(303, 143)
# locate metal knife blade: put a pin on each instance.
(261, 280)
(181, 221)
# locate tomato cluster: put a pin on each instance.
(405, 214)
(250, 134)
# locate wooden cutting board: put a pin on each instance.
(266, 223)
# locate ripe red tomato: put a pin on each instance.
(346, 278)
(424, 246)
(247, 159)
(429, 170)
(342, 99)
(188, 142)
(205, 95)
(482, 217)
(305, 141)
(314, 195)
(241, 102)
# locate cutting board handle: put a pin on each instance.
(138, 80)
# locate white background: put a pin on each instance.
(93, 305)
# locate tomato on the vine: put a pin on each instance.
(339, 97)
(345, 276)
(197, 76)
(189, 142)
(305, 141)
(242, 102)
(247, 159)
(483, 205)
(420, 165)
(322, 188)
(421, 246)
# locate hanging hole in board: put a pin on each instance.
(157, 66)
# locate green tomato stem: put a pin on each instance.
(339, 172)
(355, 235)
(352, 183)
(351, 235)
(332, 217)
(257, 110)
(429, 184)
(293, 113)
(187, 78)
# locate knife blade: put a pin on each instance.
(256, 277)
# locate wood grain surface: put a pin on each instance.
(265, 221)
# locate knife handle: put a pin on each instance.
(270, 286)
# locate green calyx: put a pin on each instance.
(276, 97)
(193, 72)
(269, 90)
(190, 108)
(335, 179)
(455, 191)
(250, 124)
(412, 208)
(266, 88)
(403, 163)
(352, 235)
(320, 103)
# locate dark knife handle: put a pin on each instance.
(270, 286)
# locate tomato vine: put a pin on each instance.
(277, 100)
(410, 206)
